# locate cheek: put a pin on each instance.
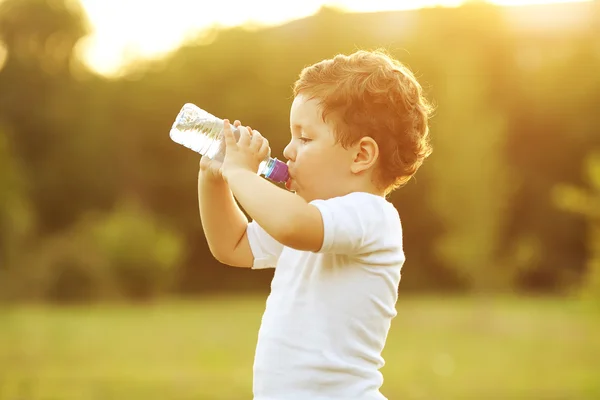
(303, 155)
(311, 160)
(318, 164)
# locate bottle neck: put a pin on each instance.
(274, 169)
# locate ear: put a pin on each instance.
(366, 153)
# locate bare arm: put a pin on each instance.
(223, 222)
(288, 218)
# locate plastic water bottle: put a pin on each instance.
(202, 132)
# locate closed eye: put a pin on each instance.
(304, 140)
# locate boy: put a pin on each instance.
(358, 130)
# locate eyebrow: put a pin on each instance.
(308, 128)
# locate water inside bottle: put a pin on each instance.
(198, 130)
(201, 131)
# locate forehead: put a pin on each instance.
(305, 111)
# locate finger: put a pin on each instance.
(264, 149)
(204, 162)
(244, 136)
(236, 123)
(256, 141)
(229, 138)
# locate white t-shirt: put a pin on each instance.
(329, 312)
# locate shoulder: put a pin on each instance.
(356, 222)
(362, 204)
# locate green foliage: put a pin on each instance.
(63, 268)
(470, 191)
(516, 111)
(42, 34)
(471, 181)
(17, 220)
(126, 254)
(586, 203)
(141, 253)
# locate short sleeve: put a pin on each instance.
(352, 222)
(265, 249)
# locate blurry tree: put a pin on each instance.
(143, 254)
(60, 126)
(553, 123)
(125, 253)
(64, 267)
(471, 188)
(16, 217)
(516, 112)
(41, 34)
(586, 203)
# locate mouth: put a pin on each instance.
(288, 183)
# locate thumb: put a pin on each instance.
(228, 134)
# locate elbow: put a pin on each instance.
(233, 257)
(221, 256)
(227, 260)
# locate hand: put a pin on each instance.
(245, 154)
(212, 169)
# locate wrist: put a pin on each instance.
(236, 173)
(210, 178)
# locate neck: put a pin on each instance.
(363, 188)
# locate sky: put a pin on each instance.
(129, 29)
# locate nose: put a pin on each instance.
(289, 152)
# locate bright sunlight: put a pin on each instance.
(131, 29)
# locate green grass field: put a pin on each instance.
(455, 348)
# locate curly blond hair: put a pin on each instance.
(369, 93)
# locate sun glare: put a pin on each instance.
(131, 29)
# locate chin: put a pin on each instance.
(308, 199)
(299, 193)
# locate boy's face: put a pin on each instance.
(319, 167)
